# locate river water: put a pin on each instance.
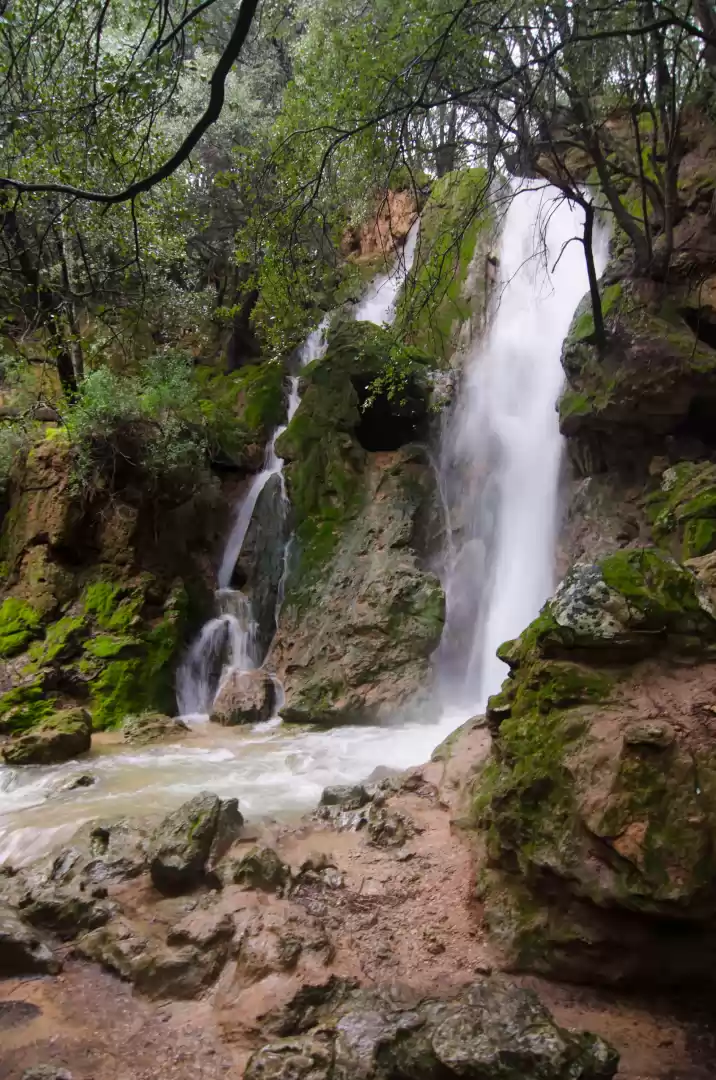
(499, 469)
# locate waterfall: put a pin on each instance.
(227, 642)
(501, 448)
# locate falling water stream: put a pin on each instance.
(499, 469)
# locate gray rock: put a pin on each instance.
(492, 1030)
(259, 868)
(22, 950)
(197, 833)
(246, 697)
(151, 727)
(347, 797)
(84, 780)
(260, 567)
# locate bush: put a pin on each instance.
(139, 427)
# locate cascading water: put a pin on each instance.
(499, 467)
(501, 451)
(228, 642)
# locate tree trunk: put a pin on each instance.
(600, 335)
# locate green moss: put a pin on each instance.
(25, 707)
(436, 303)
(104, 647)
(127, 685)
(60, 642)
(683, 510)
(664, 594)
(115, 607)
(19, 624)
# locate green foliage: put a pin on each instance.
(19, 624)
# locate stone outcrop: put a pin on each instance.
(190, 839)
(492, 1030)
(599, 803)
(362, 614)
(245, 697)
(22, 950)
(60, 737)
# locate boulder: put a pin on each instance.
(151, 727)
(347, 797)
(245, 697)
(179, 966)
(599, 802)
(260, 868)
(492, 1030)
(191, 840)
(62, 736)
(22, 950)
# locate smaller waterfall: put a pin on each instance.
(377, 305)
(228, 641)
(502, 447)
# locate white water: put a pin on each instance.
(502, 448)
(499, 466)
(377, 305)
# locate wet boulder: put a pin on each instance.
(492, 1030)
(190, 840)
(151, 727)
(22, 950)
(260, 868)
(62, 736)
(246, 697)
(346, 797)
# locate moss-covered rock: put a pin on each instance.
(595, 800)
(19, 624)
(60, 737)
(683, 509)
(655, 376)
(152, 727)
(447, 289)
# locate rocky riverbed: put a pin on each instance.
(205, 947)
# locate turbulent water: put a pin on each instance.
(498, 478)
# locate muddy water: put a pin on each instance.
(276, 772)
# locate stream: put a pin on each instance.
(499, 465)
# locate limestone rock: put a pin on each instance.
(260, 868)
(22, 950)
(151, 727)
(244, 698)
(46, 1072)
(599, 802)
(348, 797)
(67, 893)
(62, 736)
(260, 567)
(492, 1030)
(180, 968)
(198, 833)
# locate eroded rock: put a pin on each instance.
(198, 833)
(22, 950)
(493, 1030)
(151, 727)
(246, 697)
(61, 737)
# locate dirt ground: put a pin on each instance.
(401, 915)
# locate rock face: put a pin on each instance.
(260, 567)
(362, 614)
(189, 838)
(244, 698)
(600, 801)
(491, 1030)
(61, 737)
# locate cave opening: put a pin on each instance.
(700, 321)
(389, 423)
(700, 421)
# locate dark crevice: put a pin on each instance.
(389, 423)
(700, 422)
(701, 321)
